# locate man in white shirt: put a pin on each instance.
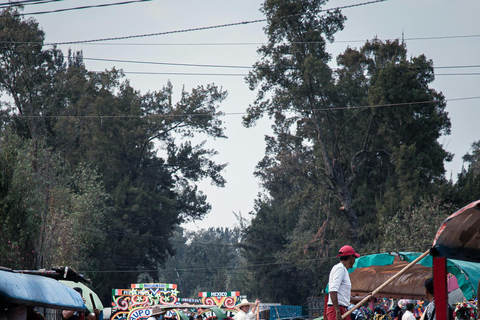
(243, 310)
(339, 285)
(408, 315)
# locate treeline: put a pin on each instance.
(94, 174)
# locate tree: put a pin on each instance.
(139, 145)
(313, 108)
(350, 148)
(31, 76)
(119, 130)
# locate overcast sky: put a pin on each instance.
(445, 31)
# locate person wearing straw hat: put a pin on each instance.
(157, 313)
(339, 284)
(243, 310)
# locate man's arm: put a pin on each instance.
(334, 297)
(254, 309)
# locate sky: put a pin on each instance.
(445, 31)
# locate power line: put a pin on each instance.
(186, 73)
(26, 2)
(228, 66)
(452, 67)
(222, 66)
(262, 43)
(196, 29)
(244, 75)
(234, 43)
(76, 8)
(236, 113)
(167, 63)
(158, 33)
(458, 74)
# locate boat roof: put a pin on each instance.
(38, 291)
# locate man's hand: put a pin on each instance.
(67, 314)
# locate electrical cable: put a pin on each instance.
(236, 113)
(221, 66)
(26, 3)
(185, 30)
(167, 63)
(237, 43)
(262, 43)
(75, 8)
(228, 66)
(244, 75)
(186, 74)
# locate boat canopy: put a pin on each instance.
(39, 291)
(458, 236)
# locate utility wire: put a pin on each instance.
(186, 74)
(262, 43)
(236, 113)
(167, 63)
(26, 3)
(221, 66)
(244, 75)
(191, 29)
(229, 66)
(235, 43)
(76, 8)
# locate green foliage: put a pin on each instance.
(19, 223)
(50, 215)
(414, 229)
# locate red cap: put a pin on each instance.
(347, 251)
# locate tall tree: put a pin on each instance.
(136, 143)
(351, 147)
(313, 108)
(140, 146)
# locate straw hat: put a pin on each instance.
(243, 303)
(156, 311)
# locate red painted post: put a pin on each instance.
(440, 287)
(325, 302)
